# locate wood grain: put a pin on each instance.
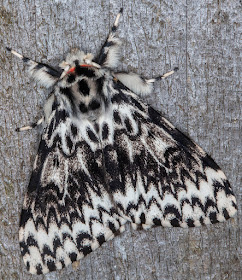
(202, 99)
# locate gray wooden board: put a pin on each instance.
(202, 99)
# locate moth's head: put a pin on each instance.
(77, 58)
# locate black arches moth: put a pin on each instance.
(105, 158)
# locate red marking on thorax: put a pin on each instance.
(73, 68)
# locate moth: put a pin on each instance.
(106, 158)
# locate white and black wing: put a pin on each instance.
(67, 211)
(157, 175)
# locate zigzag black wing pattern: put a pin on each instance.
(156, 174)
(67, 211)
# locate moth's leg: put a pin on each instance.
(137, 83)
(40, 72)
(31, 126)
(109, 54)
(163, 76)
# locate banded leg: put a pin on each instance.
(138, 84)
(163, 76)
(109, 54)
(29, 127)
(40, 72)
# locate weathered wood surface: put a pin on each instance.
(202, 99)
